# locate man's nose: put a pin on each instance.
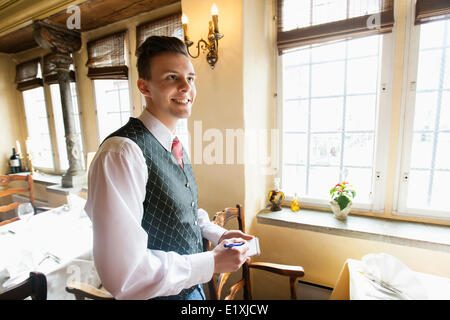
(184, 85)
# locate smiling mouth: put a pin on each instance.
(182, 101)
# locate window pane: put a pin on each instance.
(422, 150)
(296, 82)
(297, 13)
(321, 180)
(38, 131)
(429, 69)
(326, 114)
(425, 110)
(295, 116)
(360, 112)
(294, 180)
(363, 47)
(418, 186)
(113, 106)
(325, 149)
(114, 122)
(333, 51)
(361, 77)
(443, 152)
(446, 84)
(301, 18)
(328, 79)
(295, 149)
(432, 34)
(439, 198)
(361, 179)
(444, 119)
(328, 11)
(124, 100)
(358, 149)
(359, 7)
(296, 57)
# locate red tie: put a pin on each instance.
(177, 151)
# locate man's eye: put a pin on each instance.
(172, 77)
(191, 79)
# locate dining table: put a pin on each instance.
(354, 284)
(57, 243)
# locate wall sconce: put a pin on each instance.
(213, 38)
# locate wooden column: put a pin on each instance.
(63, 42)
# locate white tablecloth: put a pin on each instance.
(361, 288)
(65, 232)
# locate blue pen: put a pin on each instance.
(233, 245)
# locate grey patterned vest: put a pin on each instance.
(170, 205)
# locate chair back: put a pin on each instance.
(6, 180)
(35, 287)
(216, 284)
(9, 221)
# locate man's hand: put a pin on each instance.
(235, 234)
(230, 259)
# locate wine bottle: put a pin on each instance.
(14, 162)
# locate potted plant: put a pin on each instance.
(341, 199)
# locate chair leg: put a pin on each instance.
(292, 285)
(247, 286)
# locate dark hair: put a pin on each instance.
(153, 46)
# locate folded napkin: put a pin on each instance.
(388, 270)
(4, 274)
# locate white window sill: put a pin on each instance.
(43, 178)
(53, 183)
(426, 236)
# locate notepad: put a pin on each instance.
(253, 247)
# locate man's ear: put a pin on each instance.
(142, 86)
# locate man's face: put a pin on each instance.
(171, 89)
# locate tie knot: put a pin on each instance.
(175, 143)
(177, 151)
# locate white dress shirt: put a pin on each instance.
(127, 268)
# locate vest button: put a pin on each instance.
(187, 185)
(193, 203)
(196, 223)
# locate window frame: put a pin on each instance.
(51, 129)
(382, 131)
(130, 99)
(411, 58)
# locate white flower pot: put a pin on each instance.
(338, 213)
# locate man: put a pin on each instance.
(142, 195)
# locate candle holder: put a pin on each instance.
(212, 46)
(30, 163)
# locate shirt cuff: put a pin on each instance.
(213, 232)
(202, 267)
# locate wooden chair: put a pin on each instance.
(35, 287)
(6, 180)
(216, 285)
(83, 291)
(9, 221)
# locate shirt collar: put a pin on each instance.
(158, 129)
